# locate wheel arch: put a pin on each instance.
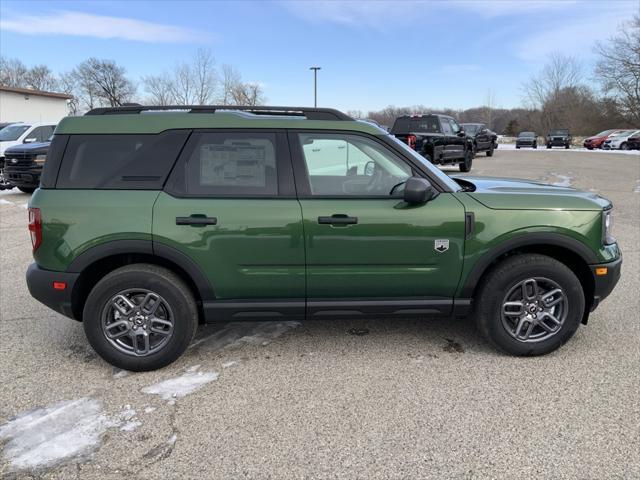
(96, 262)
(572, 253)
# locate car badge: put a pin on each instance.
(441, 245)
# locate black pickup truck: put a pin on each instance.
(484, 140)
(436, 137)
(23, 165)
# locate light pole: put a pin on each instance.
(315, 84)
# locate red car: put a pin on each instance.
(597, 140)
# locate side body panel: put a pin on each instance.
(75, 220)
(388, 253)
(497, 230)
(255, 250)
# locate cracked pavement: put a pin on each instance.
(347, 399)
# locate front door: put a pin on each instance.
(230, 207)
(367, 251)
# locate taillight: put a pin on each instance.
(35, 227)
(411, 141)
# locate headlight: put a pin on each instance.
(607, 226)
(40, 159)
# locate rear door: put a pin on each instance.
(456, 143)
(230, 207)
(367, 251)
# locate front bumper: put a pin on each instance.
(23, 177)
(558, 142)
(604, 284)
(40, 283)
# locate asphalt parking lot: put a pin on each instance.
(332, 399)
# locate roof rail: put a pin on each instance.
(309, 113)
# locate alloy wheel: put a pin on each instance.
(534, 310)
(137, 322)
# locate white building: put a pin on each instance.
(25, 105)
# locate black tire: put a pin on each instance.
(428, 157)
(535, 145)
(589, 148)
(468, 161)
(502, 278)
(624, 146)
(548, 146)
(156, 279)
(27, 189)
(567, 146)
(517, 147)
(490, 152)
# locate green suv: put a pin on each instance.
(150, 220)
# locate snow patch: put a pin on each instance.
(236, 334)
(637, 189)
(564, 180)
(5, 202)
(118, 373)
(181, 386)
(58, 432)
(149, 409)
(229, 364)
(14, 190)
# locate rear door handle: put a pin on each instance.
(196, 220)
(338, 219)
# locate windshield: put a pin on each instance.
(527, 134)
(420, 159)
(471, 128)
(12, 132)
(605, 133)
(559, 132)
(623, 133)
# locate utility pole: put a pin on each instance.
(315, 84)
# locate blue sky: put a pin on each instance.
(372, 54)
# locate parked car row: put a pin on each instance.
(616, 139)
(23, 150)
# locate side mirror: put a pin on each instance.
(30, 140)
(418, 190)
(461, 132)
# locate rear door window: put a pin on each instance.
(229, 164)
(120, 162)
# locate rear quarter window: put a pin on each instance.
(427, 124)
(120, 162)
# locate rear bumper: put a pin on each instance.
(604, 284)
(40, 284)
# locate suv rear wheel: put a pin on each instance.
(468, 160)
(529, 305)
(490, 151)
(140, 317)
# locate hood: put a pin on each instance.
(32, 148)
(517, 194)
(595, 138)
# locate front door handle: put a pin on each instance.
(196, 220)
(338, 219)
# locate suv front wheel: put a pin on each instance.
(140, 317)
(529, 305)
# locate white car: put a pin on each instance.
(618, 141)
(17, 133)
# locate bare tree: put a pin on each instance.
(230, 79)
(248, 94)
(41, 77)
(160, 89)
(618, 69)
(195, 82)
(12, 72)
(547, 91)
(105, 81)
(68, 84)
